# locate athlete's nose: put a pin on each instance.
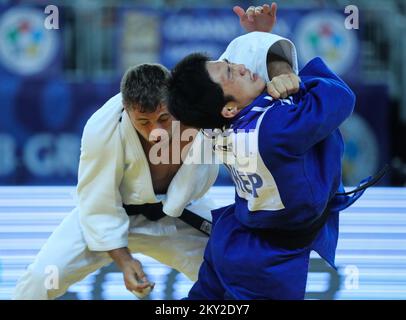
(157, 132)
(241, 69)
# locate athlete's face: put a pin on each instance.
(236, 81)
(150, 124)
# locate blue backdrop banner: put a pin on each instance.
(43, 112)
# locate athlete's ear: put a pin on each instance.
(229, 111)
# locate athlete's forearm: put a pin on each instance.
(121, 256)
(277, 65)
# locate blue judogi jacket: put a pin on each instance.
(297, 154)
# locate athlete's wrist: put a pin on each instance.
(121, 257)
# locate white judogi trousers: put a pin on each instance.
(168, 240)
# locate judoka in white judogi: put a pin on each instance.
(114, 170)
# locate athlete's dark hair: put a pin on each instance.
(194, 98)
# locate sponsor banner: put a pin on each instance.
(41, 128)
(196, 30)
(315, 33)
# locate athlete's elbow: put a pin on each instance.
(348, 101)
(343, 97)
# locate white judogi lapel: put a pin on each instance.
(193, 178)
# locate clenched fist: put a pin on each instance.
(283, 86)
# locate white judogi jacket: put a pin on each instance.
(114, 170)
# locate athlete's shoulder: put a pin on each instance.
(109, 111)
(102, 126)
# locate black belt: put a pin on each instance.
(289, 239)
(373, 180)
(154, 212)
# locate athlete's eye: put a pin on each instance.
(164, 118)
(228, 68)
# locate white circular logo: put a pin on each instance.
(26, 46)
(324, 35)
